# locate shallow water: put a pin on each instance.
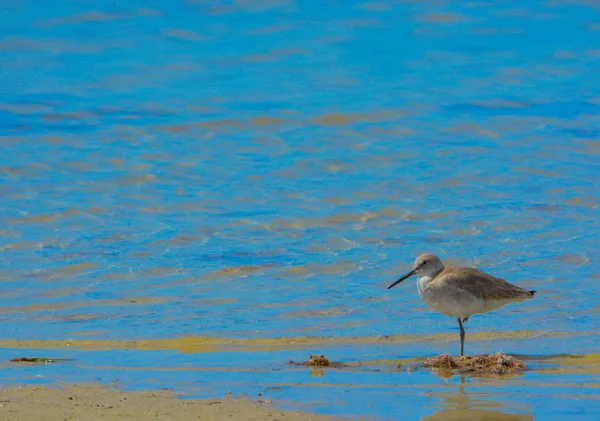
(196, 192)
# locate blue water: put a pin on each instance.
(265, 169)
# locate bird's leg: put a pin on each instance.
(465, 319)
(462, 337)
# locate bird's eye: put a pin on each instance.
(424, 262)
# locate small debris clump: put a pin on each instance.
(316, 361)
(498, 363)
(313, 361)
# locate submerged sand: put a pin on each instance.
(97, 402)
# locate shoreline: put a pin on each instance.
(93, 402)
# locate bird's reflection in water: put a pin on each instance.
(463, 406)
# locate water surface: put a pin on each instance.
(196, 192)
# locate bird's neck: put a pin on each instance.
(431, 275)
(425, 279)
(422, 282)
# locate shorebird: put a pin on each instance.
(461, 291)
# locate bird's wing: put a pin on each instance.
(482, 285)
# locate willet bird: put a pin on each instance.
(461, 291)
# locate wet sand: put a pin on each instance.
(96, 402)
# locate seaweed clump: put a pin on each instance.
(36, 360)
(498, 363)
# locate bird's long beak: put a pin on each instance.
(408, 275)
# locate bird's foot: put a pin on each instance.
(465, 319)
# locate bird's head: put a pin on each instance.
(425, 265)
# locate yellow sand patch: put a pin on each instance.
(195, 344)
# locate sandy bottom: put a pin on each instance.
(96, 402)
